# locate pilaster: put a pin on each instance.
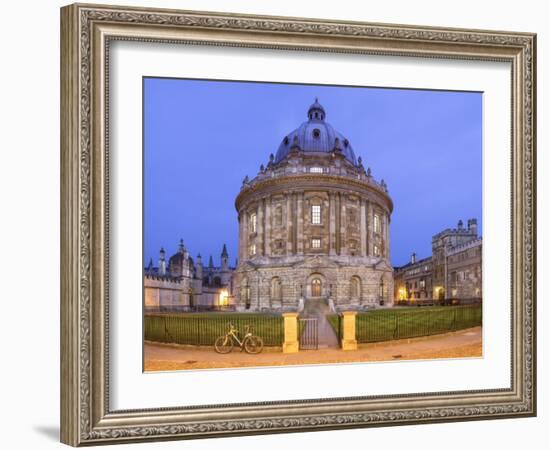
(363, 219)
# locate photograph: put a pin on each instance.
(290, 221)
(291, 224)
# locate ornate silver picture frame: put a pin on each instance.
(87, 33)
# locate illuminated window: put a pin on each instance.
(253, 249)
(223, 298)
(316, 214)
(316, 169)
(253, 222)
(376, 223)
(316, 243)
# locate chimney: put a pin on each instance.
(413, 258)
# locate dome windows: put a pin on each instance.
(316, 133)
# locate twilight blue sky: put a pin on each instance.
(202, 137)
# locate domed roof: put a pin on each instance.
(315, 135)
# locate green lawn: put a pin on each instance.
(204, 328)
(402, 323)
(334, 321)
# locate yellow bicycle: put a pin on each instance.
(250, 343)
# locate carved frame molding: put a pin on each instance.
(86, 31)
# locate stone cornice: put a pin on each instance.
(297, 183)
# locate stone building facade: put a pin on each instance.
(452, 273)
(185, 284)
(313, 224)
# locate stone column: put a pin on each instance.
(289, 240)
(245, 236)
(290, 345)
(387, 235)
(260, 229)
(332, 225)
(240, 249)
(370, 249)
(342, 230)
(267, 232)
(363, 212)
(300, 223)
(349, 341)
(383, 224)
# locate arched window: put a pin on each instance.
(276, 289)
(217, 281)
(355, 287)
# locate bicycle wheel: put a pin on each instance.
(253, 344)
(224, 344)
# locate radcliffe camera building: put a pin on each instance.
(314, 227)
(313, 224)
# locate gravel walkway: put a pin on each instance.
(461, 344)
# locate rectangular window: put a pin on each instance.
(376, 223)
(316, 170)
(253, 222)
(316, 214)
(316, 243)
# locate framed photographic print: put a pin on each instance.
(277, 224)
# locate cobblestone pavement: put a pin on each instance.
(461, 344)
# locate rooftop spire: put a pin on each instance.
(210, 262)
(224, 251)
(316, 111)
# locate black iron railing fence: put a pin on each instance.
(403, 323)
(436, 302)
(203, 329)
(186, 308)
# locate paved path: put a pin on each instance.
(318, 309)
(462, 344)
